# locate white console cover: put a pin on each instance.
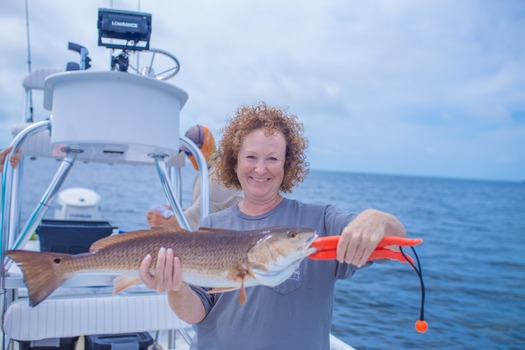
(119, 116)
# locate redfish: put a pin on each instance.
(221, 259)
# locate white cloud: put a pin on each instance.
(400, 82)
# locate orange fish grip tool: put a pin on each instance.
(327, 248)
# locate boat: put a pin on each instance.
(84, 309)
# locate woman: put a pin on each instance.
(262, 153)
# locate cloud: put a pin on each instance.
(398, 86)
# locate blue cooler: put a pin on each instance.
(71, 236)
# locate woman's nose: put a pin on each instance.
(260, 165)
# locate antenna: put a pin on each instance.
(29, 118)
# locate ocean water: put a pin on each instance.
(472, 256)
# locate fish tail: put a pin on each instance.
(42, 272)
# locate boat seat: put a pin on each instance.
(85, 315)
(39, 145)
(36, 79)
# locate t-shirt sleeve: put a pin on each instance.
(206, 298)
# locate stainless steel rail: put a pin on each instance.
(11, 237)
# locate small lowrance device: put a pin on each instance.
(126, 30)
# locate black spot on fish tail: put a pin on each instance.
(42, 272)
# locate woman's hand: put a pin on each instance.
(168, 278)
(362, 235)
(168, 272)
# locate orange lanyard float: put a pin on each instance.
(327, 250)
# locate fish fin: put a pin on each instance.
(249, 272)
(210, 230)
(42, 272)
(222, 290)
(242, 291)
(242, 294)
(170, 227)
(131, 235)
(123, 282)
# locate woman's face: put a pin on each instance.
(260, 165)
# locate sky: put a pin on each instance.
(408, 87)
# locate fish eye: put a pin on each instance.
(292, 234)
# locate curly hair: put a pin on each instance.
(271, 120)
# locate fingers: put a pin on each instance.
(3, 155)
(360, 238)
(5, 151)
(168, 272)
(154, 219)
(177, 274)
(355, 249)
(144, 274)
(14, 160)
(164, 269)
(173, 221)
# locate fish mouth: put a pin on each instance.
(311, 240)
(308, 249)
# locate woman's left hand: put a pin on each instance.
(362, 235)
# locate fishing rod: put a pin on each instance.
(29, 97)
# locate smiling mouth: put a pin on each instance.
(259, 179)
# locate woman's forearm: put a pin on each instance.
(186, 304)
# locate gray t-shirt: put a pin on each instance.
(296, 314)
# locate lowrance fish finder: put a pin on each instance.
(126, 30)
(130, 32)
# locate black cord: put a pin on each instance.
(420, 275)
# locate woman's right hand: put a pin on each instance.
(167, 274)
(167, 277)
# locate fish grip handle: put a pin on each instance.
(327, 248)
